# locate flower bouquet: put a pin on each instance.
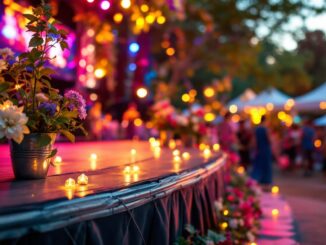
(32, 112)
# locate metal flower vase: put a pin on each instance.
(29, 160)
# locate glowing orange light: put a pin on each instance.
(138, 122)
(275, 212)
(99, 73)
(209, 92)
(170, 51)
(275, 189)
(118, 17)
(161, 20)
(125, 4)
(317, 143)
(185, 98)
(144, 7)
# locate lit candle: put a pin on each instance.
(186, 155)
(70, 183)
(172, 144)
(135, 168)
(82, 179)
(176, 159)
(275, 212)
(275, 189)
(93, 157)
(133, 152)
(216, 147)
(127, 170)
(57, 160)
(176, 153)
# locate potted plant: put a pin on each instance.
(32, 112)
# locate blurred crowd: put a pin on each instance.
(296, 147)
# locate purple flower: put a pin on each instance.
(76, 102)
(48, 107)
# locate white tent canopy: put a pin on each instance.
(246, 96)
(272, 96)
(321, 121)
(312, 99)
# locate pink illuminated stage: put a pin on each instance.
(45, 206)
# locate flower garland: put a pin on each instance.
(238, 213)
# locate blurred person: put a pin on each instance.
(289, 149)
(262, 165)
(244, 135)
(129, 117)
(307, 145)
(95, 118)
(226, 133)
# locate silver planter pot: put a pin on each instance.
(29, 161)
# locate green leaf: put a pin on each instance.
(30, 17)
(35, 41)
(53, 153)
(68, 135)
(43, 140)
(216, 238)
(64, 45)
(190, 229)
(69, 114)
(62, 120)
(4, 86)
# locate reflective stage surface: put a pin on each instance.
(108, 165)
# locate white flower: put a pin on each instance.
(218, 205)
(233, 223)
(12, 122)
(6, 52)
(250, 236)
(3, 65)
(241, 222)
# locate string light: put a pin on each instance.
(186, 155)
(144, 8)
(185, 98)
(275, 189)
(125, 4)
(99, 73)
(161, 20)
(275, 212)
(134, 47)
(209, 92)
(141, 92)
(233, 109)
(105, 5)
(170, 51)
(118, 17)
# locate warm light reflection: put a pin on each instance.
(135, 168)
(202, 146)
(93, 164)
(70, 193)
(176, 159)
(93, 156)
(82, 179)
(176, 167)
(207, 153)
